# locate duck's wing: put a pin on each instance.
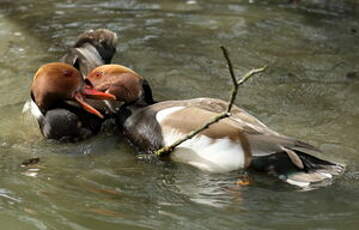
(243, 120)
(237, 113)
(92, 48)
(189, 115)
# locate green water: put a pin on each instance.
(311, 49)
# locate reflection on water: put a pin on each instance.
(309, 92)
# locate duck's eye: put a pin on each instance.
(67, 73)
(98, 74)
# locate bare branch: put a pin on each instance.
(168, 149)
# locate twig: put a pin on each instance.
(168, 149)
(236, 83)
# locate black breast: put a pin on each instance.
(141, 128)
(69, 125)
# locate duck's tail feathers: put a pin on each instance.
(92, 48)
(298, 168)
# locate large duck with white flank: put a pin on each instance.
(240, 141)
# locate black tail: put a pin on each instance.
(315, 172)
(92, 48)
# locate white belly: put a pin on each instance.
(214, 155)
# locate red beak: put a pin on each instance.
(94, 94)
(80, 99)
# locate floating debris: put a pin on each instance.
(353, 75)
(29, 162)
(30, 173)
(191, 2)
(30, 211)
(244, 180)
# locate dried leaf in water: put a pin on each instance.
(31, 161)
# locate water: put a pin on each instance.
(310, 91)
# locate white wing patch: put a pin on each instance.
(161, 115)
(214, 155)
(31, 106)
(26, 107)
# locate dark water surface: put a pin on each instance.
(311, 92)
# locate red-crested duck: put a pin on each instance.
(58, 103)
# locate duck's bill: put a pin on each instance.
(95, 94)
(80, 99)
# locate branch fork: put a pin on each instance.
(168, 149)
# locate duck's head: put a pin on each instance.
(56, 83)
(128, 86)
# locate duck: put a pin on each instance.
(58, 102)
(123, 83)
(238, 142)
(92, 48)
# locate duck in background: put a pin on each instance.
(56, 87)
(92, 48)
(240, 141)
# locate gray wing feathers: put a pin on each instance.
(294, 158)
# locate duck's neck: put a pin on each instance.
(145, 100)
(147, 94)
(128, 110)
